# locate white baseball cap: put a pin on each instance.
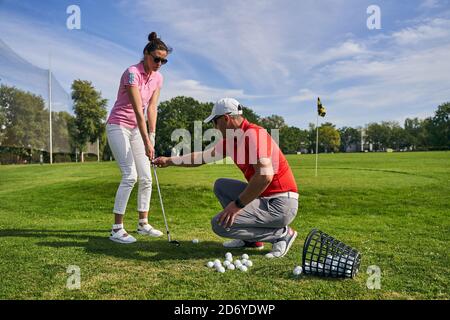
(225, 106)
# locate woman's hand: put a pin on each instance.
(149, 150)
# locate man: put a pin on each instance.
(262, 209)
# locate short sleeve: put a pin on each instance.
(264, 144)
(131, 77)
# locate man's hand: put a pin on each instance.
(161, 162)
(228, 215)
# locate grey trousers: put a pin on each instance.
(262, 219)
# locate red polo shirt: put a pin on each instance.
(251, 143)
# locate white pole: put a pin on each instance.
(317, 140)
(98, 150)
(50, 106)
(362, 139)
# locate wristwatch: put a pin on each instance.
(239, 203)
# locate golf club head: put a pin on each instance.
(175, 242)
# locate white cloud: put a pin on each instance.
(74, 54)
(177, 86)
(248, 43)
(304, 95)
(79, 55)
(435, 30)
(388, 79)
(284, 54)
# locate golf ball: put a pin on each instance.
(231, 266)
(243, 268)
(217, 261)
(245, 256)
(237, 263)
(217, 264)
(221, 269)
(297, 270)
(210, 264)
(226, 263)
(249, 263)
(195, 241)
(244, 261)
(228, 254)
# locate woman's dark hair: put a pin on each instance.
(155, 43)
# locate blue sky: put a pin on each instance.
(274, 56)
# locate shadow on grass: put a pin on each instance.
(145, 249)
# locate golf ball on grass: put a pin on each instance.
(243, 268)
(195, 241)
(231, 266)
(297, 270)
(221, 269)
(245, 256)
(228, 255)
(210, 264)
(249, 263)
(237, 263)
(217, 263)
(226, 263)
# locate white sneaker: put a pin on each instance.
(148, 230)
(282, 246)
(238, 243)
(121, 236)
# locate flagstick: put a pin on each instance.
(317, 140)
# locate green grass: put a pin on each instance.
(394, 208)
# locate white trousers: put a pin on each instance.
(129, 151)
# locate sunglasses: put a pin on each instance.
(158, 59)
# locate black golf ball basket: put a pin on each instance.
(325, 256)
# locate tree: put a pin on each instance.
(349, 137)
(24, 121)
(61, 137)
(311, 139)
(440, 132)
(251, 116)
(413, 128)
(90, 114)
(273, 122)
(290, 139)
(180, 113)
(378, 135)
(329, 138)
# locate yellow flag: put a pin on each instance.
(320, 108)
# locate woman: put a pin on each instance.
(131, 142)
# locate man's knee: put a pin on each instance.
(216, 227)
(288, 218)
(218, 186)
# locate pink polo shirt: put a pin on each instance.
(122, 113)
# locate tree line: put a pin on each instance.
(24, 127)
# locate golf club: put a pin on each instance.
(175, 242)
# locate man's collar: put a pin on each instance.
(244, 125)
